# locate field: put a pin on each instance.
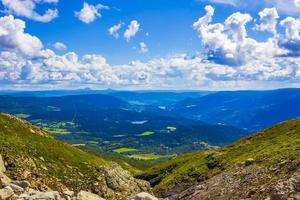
(147, 133)
(149, 156)
(125, 150)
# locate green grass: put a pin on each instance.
(23, 116)
(147, 133)
(59, 131)
(23, 145)
(148, 156)
(281, 142)
(125, 150)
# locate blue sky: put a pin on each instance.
(166, 30)
(169, 24)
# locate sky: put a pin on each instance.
(149, 44)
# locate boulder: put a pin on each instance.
(4, 180)
(22, 184)
(248, 162)
(84, 195)
(6, 193)
(144, 196)
(51, 195)
(17, 189)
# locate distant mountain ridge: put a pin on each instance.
(252, 110)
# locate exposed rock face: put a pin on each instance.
(21, 190)
(247, 182)
(115, 179)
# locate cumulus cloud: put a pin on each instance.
(228, 42)
(132, 30)
(26, 8)
(268, 20)
(114, 30)
(297, 3)
(291, 41)
(60, 46)
(90, 13)
(233, 60)
(13, 37)
(143, 47)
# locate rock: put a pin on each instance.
(17, 189)
(297, 197)
(276, 196)
(22, 184)
(293, 165)
(52, 195)
(68, 195)
(2, 166)
(6, 193)
(144, 196)
(84, 195)
(248, 162)
(296, 183)
(4, 180)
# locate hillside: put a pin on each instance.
(31, 154)
(252, 110)
(263, 165)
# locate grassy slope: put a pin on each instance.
(267, 148)
(21, 142)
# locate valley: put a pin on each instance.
(158, 149)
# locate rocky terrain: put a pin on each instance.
(33, 165)
(23, 190)
(263, 166)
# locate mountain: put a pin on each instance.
(265, 165)
(156, 98)
(105, 123)
(251, 110)
(32, 157)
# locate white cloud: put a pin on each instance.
(132, 30)
(233, 61)
(26, 8)
(60, 46)
(13, 37)
(90, 13)
(297, 3)
(143, 47)
(292, 31)
(291, 41)
(114, 30)
(228, 42)
(268, 20)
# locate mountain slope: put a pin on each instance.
(250, 168)
(32, 154)
(253, 110)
